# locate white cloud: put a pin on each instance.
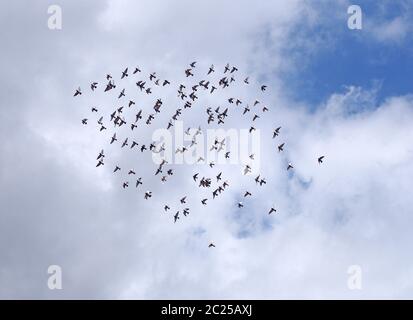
(394, 30)
(353, 209)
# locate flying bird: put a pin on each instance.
(276, 132)
(176, 216)
(281, 147)
(247, 169)
(78, 92)
(113, 139)
(121, 94)
(124, 73)
(101, 155)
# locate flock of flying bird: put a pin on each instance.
(188, 96)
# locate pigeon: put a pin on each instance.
(276, 132)
(101, 155)
(124, 73)
(247, 169)
(78, 92)
(185, 211)
(121, 94)
(281, 147)
(113, 139)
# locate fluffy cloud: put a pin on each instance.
(57, 208)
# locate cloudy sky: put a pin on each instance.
(346, 94)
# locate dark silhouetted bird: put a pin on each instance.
(124, 73)
(281, 147)
(77, 92)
